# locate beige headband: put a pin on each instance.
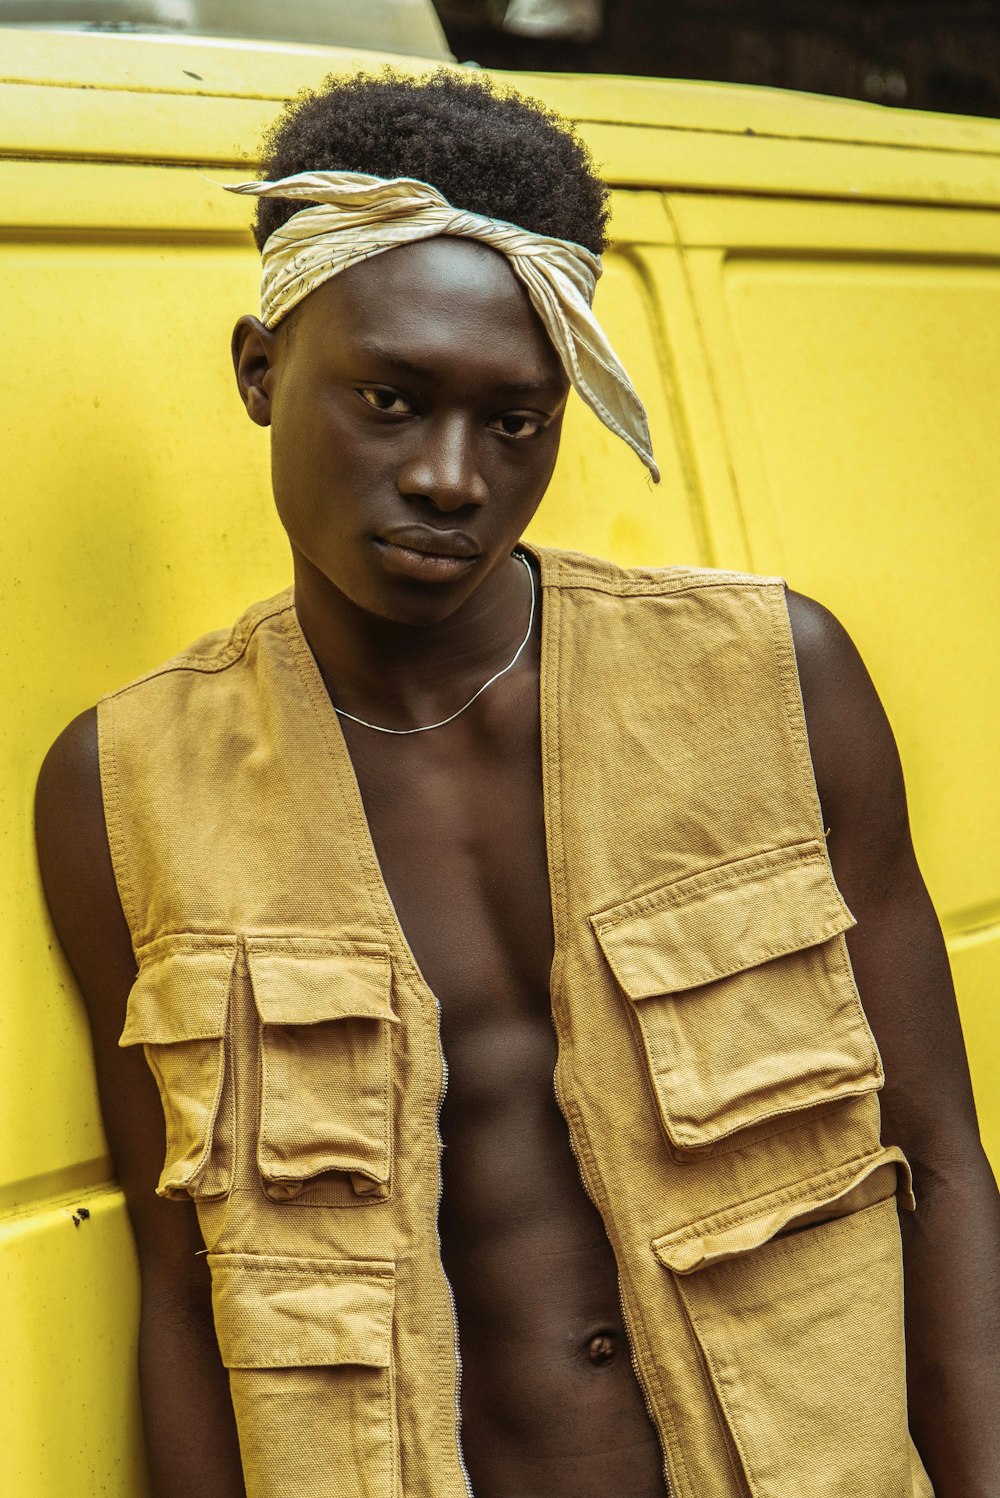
(356, 216)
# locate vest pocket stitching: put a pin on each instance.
(310, 1341)
(744, 995)
(178, 1010)
(326, 1017)
(783, 1246)
(815, 1191)
(773, 1328)
(718, 1384)
(174, 1138)
(686, 889)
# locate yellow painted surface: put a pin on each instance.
(115, 547)
(805, 292)
(853, 356)
(69, 1407)
(613, 508)
(879, 460)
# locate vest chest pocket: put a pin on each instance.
(326, 1024)
(178, 1011)
(742, 989)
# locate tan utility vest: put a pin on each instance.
(715, 1068)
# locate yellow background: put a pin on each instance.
(806, 294)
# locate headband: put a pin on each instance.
(356, 216)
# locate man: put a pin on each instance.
(567, 816)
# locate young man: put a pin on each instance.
(541, 816)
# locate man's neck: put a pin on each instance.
(404, 674)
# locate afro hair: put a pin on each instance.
(487, 149)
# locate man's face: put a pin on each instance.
(415, 404)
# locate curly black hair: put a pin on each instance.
(487, 149)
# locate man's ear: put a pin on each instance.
(255, 351)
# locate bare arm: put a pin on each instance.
(951, 1244)
(190, 1431)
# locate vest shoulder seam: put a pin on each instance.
(651, 588)
(569, 571)
(226, 654)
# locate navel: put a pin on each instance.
(602, 1348)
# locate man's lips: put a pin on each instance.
(427, 555)
(428, 542)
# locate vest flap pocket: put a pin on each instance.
(712, 925)
(273, 1312)
(181, 992)
(796, 1306)
(834, 1193)
(178, 1011)
(326, 1066)
(308, 1346)
(305, 986)
(743, 993)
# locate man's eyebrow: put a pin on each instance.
(527, 386)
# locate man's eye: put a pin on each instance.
(384, 400)
(516, 425)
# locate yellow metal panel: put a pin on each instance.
(66, 123)
(872, 389)
(47, 122)
(676, 156)
(142, 517)
(857, 391)
(797, 359)
(195, 66)
(180, 100)
(169, 100)
(160, 63)
(739, 109)
(601, 499)
(78, 201)
(739, 224)
(69, 1398)
(696, 412)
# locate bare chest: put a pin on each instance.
(457, 821)
(458, 826)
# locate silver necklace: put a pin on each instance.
(426, 727)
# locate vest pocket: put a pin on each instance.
(325, 1069)
(743, 992)
(308, 1345)
(178, 1010)
(795, 1303)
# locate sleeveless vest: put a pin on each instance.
(715, 1069)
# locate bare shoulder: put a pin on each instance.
(75, 864)
(832, 674)
(896, 948)
(82, 895)
(69, 782)
(71, 765)
(857, 767)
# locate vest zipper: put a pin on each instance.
(640, 1380)
(451, 1293)
(642, 1385)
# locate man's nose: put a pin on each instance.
(445, 467)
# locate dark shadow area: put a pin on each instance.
(920, 54)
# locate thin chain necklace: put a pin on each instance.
(426, 727)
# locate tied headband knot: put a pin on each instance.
(353, 216)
